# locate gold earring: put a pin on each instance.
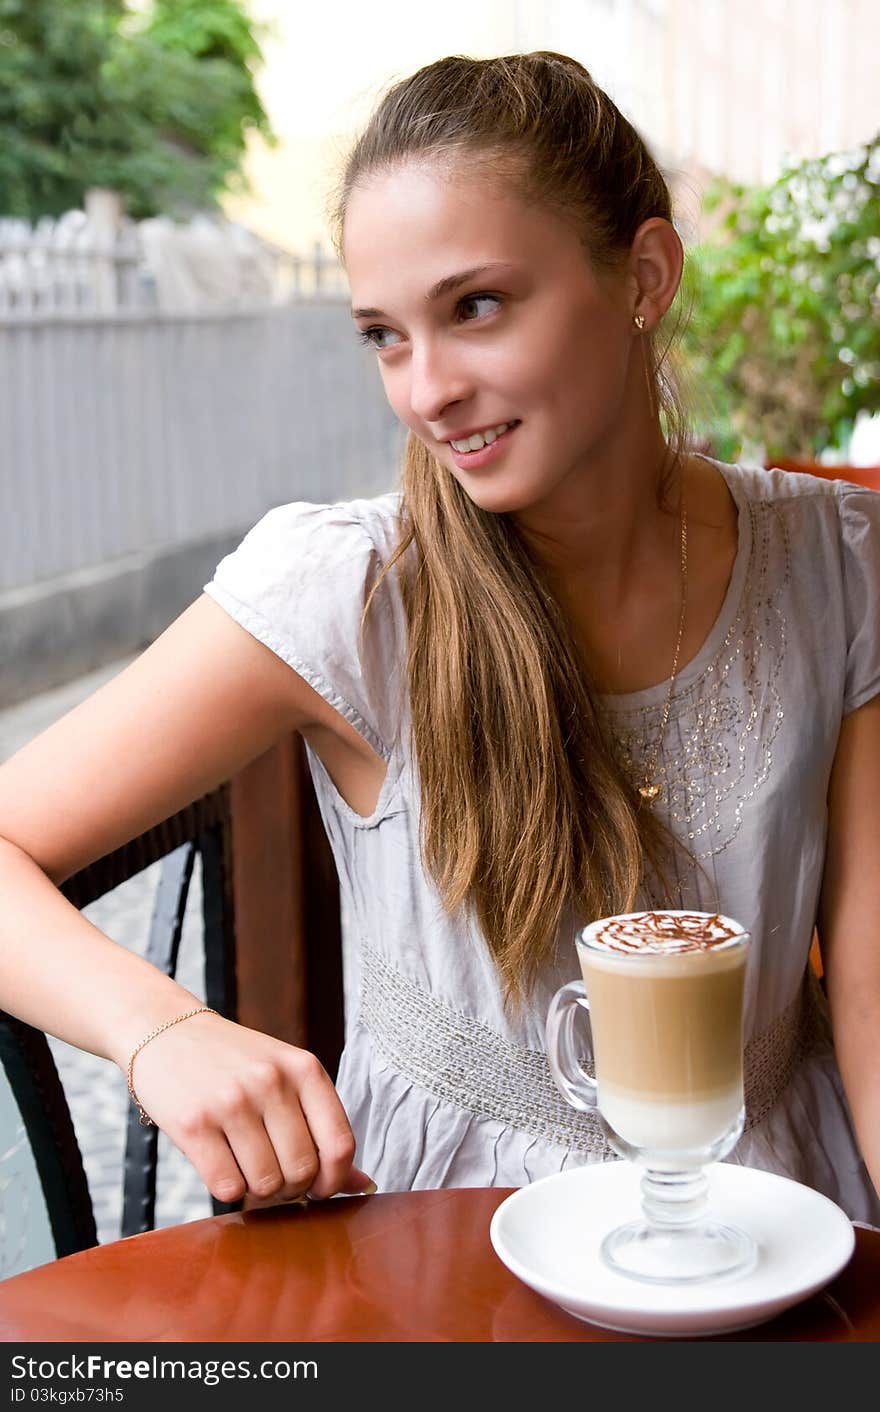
(639, 321)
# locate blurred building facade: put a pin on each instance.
(147, 428)
(734, 87)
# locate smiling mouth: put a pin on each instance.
(470, 445)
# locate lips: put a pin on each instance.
(473, 460)
(485, 431)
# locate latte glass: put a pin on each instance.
(658, 1019)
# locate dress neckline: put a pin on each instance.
(650, 695)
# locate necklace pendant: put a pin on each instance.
(649, 792)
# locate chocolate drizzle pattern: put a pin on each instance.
(668, 932)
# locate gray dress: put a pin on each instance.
(441, 1085)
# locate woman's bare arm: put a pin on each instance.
(849, 922)
(191, 711)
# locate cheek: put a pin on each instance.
(553, 364)
(396, 394)
(590, 370)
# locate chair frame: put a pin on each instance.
(30, 1070)
(273, 961)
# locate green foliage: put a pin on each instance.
(217, 34)
(784, 342)
(155, 105)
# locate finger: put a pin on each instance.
(255, 1203)
(329, 1128)
(214, 1160)
(255, 1154)
(296, 1162)
(358, 1183)
(268, 1133)
(293, 1144)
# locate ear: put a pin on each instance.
(655, 264)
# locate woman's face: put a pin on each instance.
(485, 312)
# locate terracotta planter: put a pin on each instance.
(859, 475)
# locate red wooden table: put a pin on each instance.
(396, 1267)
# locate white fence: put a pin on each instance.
(124, 433)
(161, 387)
(97, 262)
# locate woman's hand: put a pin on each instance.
(257, 1118)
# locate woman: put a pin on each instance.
(572, 668)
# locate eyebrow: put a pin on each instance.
(443, 286)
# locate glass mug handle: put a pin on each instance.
(570, 1008)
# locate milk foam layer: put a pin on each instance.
(666, 1124)
(665, 933)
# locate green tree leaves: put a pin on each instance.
(156, 104)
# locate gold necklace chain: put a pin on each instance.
(649, 789)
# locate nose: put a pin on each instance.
(438, 378)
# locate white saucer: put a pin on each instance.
(548, 1235)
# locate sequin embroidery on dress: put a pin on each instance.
(718, 747)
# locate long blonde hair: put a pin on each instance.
(525, 809)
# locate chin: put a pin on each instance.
(491, 499)
(498, 498)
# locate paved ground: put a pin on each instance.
(96, 1090)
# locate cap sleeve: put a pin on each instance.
(298, 583)
(860, 534)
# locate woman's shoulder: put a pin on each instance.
(773, 485)
(379, 516)
(810, 510)
(780, 486)
(305, 544)
(332, 523)
(298, 582)
(315, 560)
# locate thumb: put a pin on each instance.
(357, 1183)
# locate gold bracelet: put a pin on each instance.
(143, 1115)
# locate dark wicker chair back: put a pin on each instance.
(273, 960)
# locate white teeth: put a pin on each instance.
(481, 438)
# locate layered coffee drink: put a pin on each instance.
(665, 991)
